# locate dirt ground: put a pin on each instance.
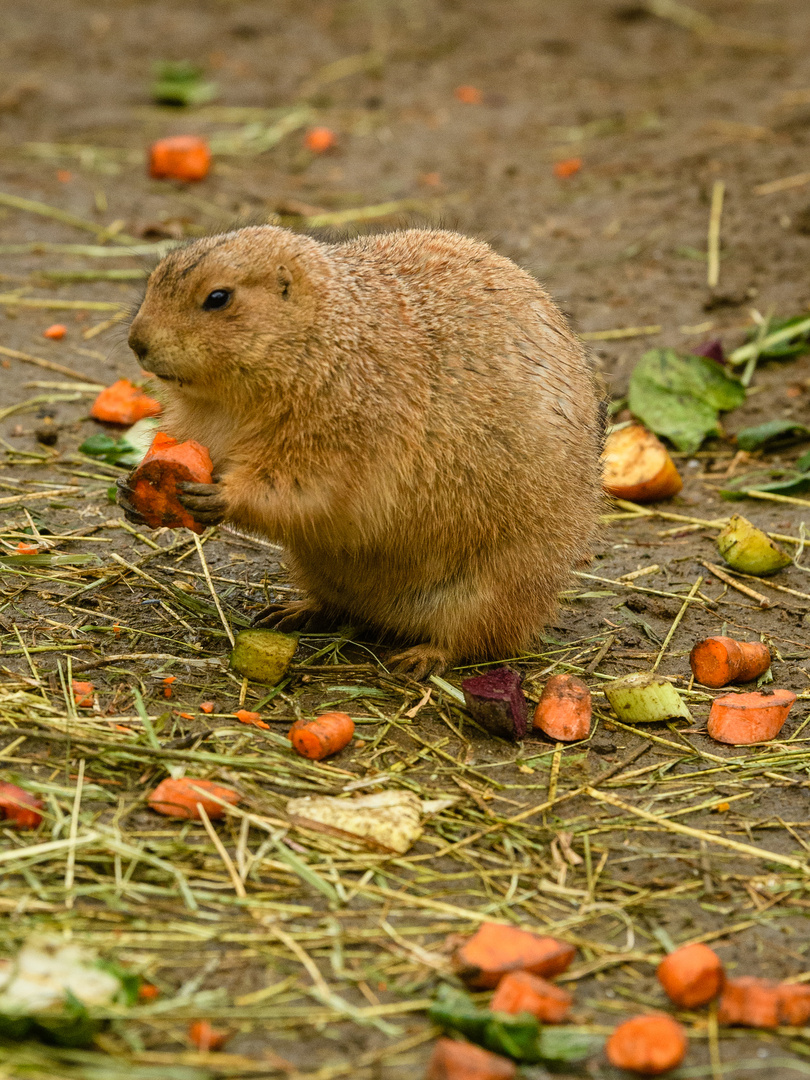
(659, 101)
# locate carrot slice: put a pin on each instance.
(179, 798)
(567, 167)
(453, 1060)
(83, 694)
(649, 1045)
(323, 736)
(520, 991)
(153, 485)
(55, 332)
(205, 1037)
(254, 718)
(494, 950)
(148, 992)
(691, 975)
(718, 661)
(179, 157)
(741, 719)
(564, 711)
(468, 95)
(19, 807)
(207, 706)
(320, 139)
(794, 1004)
(751, 1002)
(123, 403)
(637, 466)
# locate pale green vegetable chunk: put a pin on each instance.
(263, 655)
(645, 698)
(747, 549)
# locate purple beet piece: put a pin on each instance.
(713, 349)
(496, 702)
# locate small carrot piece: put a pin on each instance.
(148, 992)
(454, 1060)
(468, 95)
(691, 975)
(637, 466)
(741, 719)
(254, 718)
(55, 332)
(179, 157)
(205, 1037)
(750, 1002)
(26, 549)
(494, 950)
(153, 485)
(564, 711)
(520, 991)
(649, 1045)
(167, 685)
(323, 736)
(179, 798)
(718, 661)
(19, 807)
(794, 1004)
(123, 403)
(320, 139)
(567, 167)
(83, 694)
(207, 706)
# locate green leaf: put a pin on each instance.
(680, 396)
(752, 438)
(453, 1010)
(566, 1044)
(515, 1036)
(181, 83)
(795, 345)
(794, 485)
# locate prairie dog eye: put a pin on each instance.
(217, 299)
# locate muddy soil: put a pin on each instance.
(657, 108)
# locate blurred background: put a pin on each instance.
(580, 137)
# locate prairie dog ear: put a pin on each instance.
(284, 281)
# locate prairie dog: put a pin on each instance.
(409, 414)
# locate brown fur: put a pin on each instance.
(408, 413)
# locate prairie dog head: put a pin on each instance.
(224, 316)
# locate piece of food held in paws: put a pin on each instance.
(152, 490)
(408, 414)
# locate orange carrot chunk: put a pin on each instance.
(55, 332)
(751, 1002)
(179, 157)
(148, 992)
(718, 661)
(205, 1037)
(254, 718)
(564, 711)
(83, 694)
(153, 485)
(323, 736)
(741, 719)
(19, 808)
(794, 1004)
(320, 139)
(453, 1060)
(207, 706)
(179, 798)
(649, 1045)
(468, 95)
(637, 466)
(519, 991)
(495, 950)
(123, 403)
(567, 167)
(691, 975)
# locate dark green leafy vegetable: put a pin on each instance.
(181, 83)
(753, 438)
(680, 397)
(519, 1037)
(795, 345)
